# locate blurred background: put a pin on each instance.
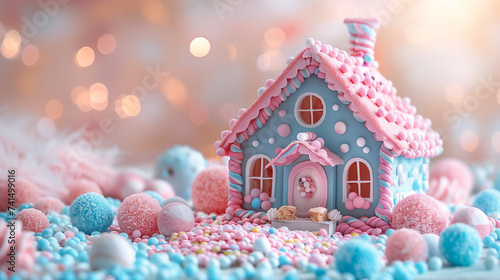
(145, 75)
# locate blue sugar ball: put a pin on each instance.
(488, 201)
(156, 196)
(179, 166)
(91, 212)
(435, 263)
(461, 245)
(359, 258)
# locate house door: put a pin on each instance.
(307, 187)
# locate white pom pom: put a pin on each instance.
(310, 42)
(260, 91)
(289, 60)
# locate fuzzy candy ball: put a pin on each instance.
(421, 213)
(49, 204)
(432, 244)
(110, 250)
(26, 192)
(475, 218)
(488, 201)
(80, 187)
(91, 212)
(139, 212)
(210, 188)
(461, 245)
(406, 245)
(359, 258)
(174, 199)
(160, 186)
(33, 220)
(459, 177)
(175, 217)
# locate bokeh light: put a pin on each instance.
(199, 47)
(469, 140)
(30, 55)
(85, 57)
(155, 12)
(263, 62)
(82, 99)
(199, 114)
(131, 105)
(495, 141)
(454, 93)
(274, 37)
(54, 109)
(232, 52)
(98, 93)
(106, 44)
(11, 44)
(175, 91)
(75, 93)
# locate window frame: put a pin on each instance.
(248, 175)
(345, 181)
(297, 110)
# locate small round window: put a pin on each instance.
(310, 109)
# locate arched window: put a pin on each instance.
(358, 178)
(310, 109)
(259, 177)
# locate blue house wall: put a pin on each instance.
(409, 177)
(266, 140)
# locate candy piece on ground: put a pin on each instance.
(406, 245)
(160, 186)
(475, 218)
(359, 258)
(91, 212)
(174, 199)
(432, 244)
(139, 212)
(209, 190)
(421, 213)
(26, 192)
(286, 213)
(175, 217)
(488, 201)
(49, 204)
(318, 214)
(80, 187)
(262, 245)
(461, 245)
(33, 220)
(458, 184)
(109, 250)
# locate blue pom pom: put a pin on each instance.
(488, 201)
(435, 263)
(91, 212)
(256, 203)
(359, 258)
(156, 196)
(461, 245)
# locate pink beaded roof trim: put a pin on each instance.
(373, 99)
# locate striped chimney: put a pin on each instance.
(362, 37)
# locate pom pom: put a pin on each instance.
(421, 213)
(460, 181)
(475, 218)
(210, 190)
(49, 204)
(461, 245)
(162, 187)
(26, 192)
(406, 245)
(110, 250)
(33, 220)
(139, 212)
(81, 187)
(488, 201)
(91, 212)
(359, 258)
(175, 217)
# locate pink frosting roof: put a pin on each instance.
(315, 149)
(373, 99)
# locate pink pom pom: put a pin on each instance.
(475, 218)
(230, 211)
(33, 220)
(421, 213)
(349, 205)
(406, 245)
(358, 202)
(80, 187)
(175, 217)
(210, 189)
(139, 212)
(309, 195)
(352, 195)
(264, 196)
(26, 192)
(266, 205)
(49, 204)
(455, 171)
(248, 198)
(255, 192)
(366, 204)
(162, 187)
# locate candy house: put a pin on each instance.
(329, 132)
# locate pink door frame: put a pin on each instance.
(322, 181)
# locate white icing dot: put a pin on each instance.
(302, 136)
(361, 142)
(402, 179)
(344, 148)
(335, 107)
(399, 169)
(340, 127)
(271, 140)
(282, 113)
(366, 150)
(255, 143)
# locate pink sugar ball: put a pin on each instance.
(25, 192)
(406, 245)
(421, 213)
(475, 218)
(162, 187)
(175, 217)
(139, 212)
(33, 220)
(210, 188)
(49, 204)
(80, 187)
(458, 184)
